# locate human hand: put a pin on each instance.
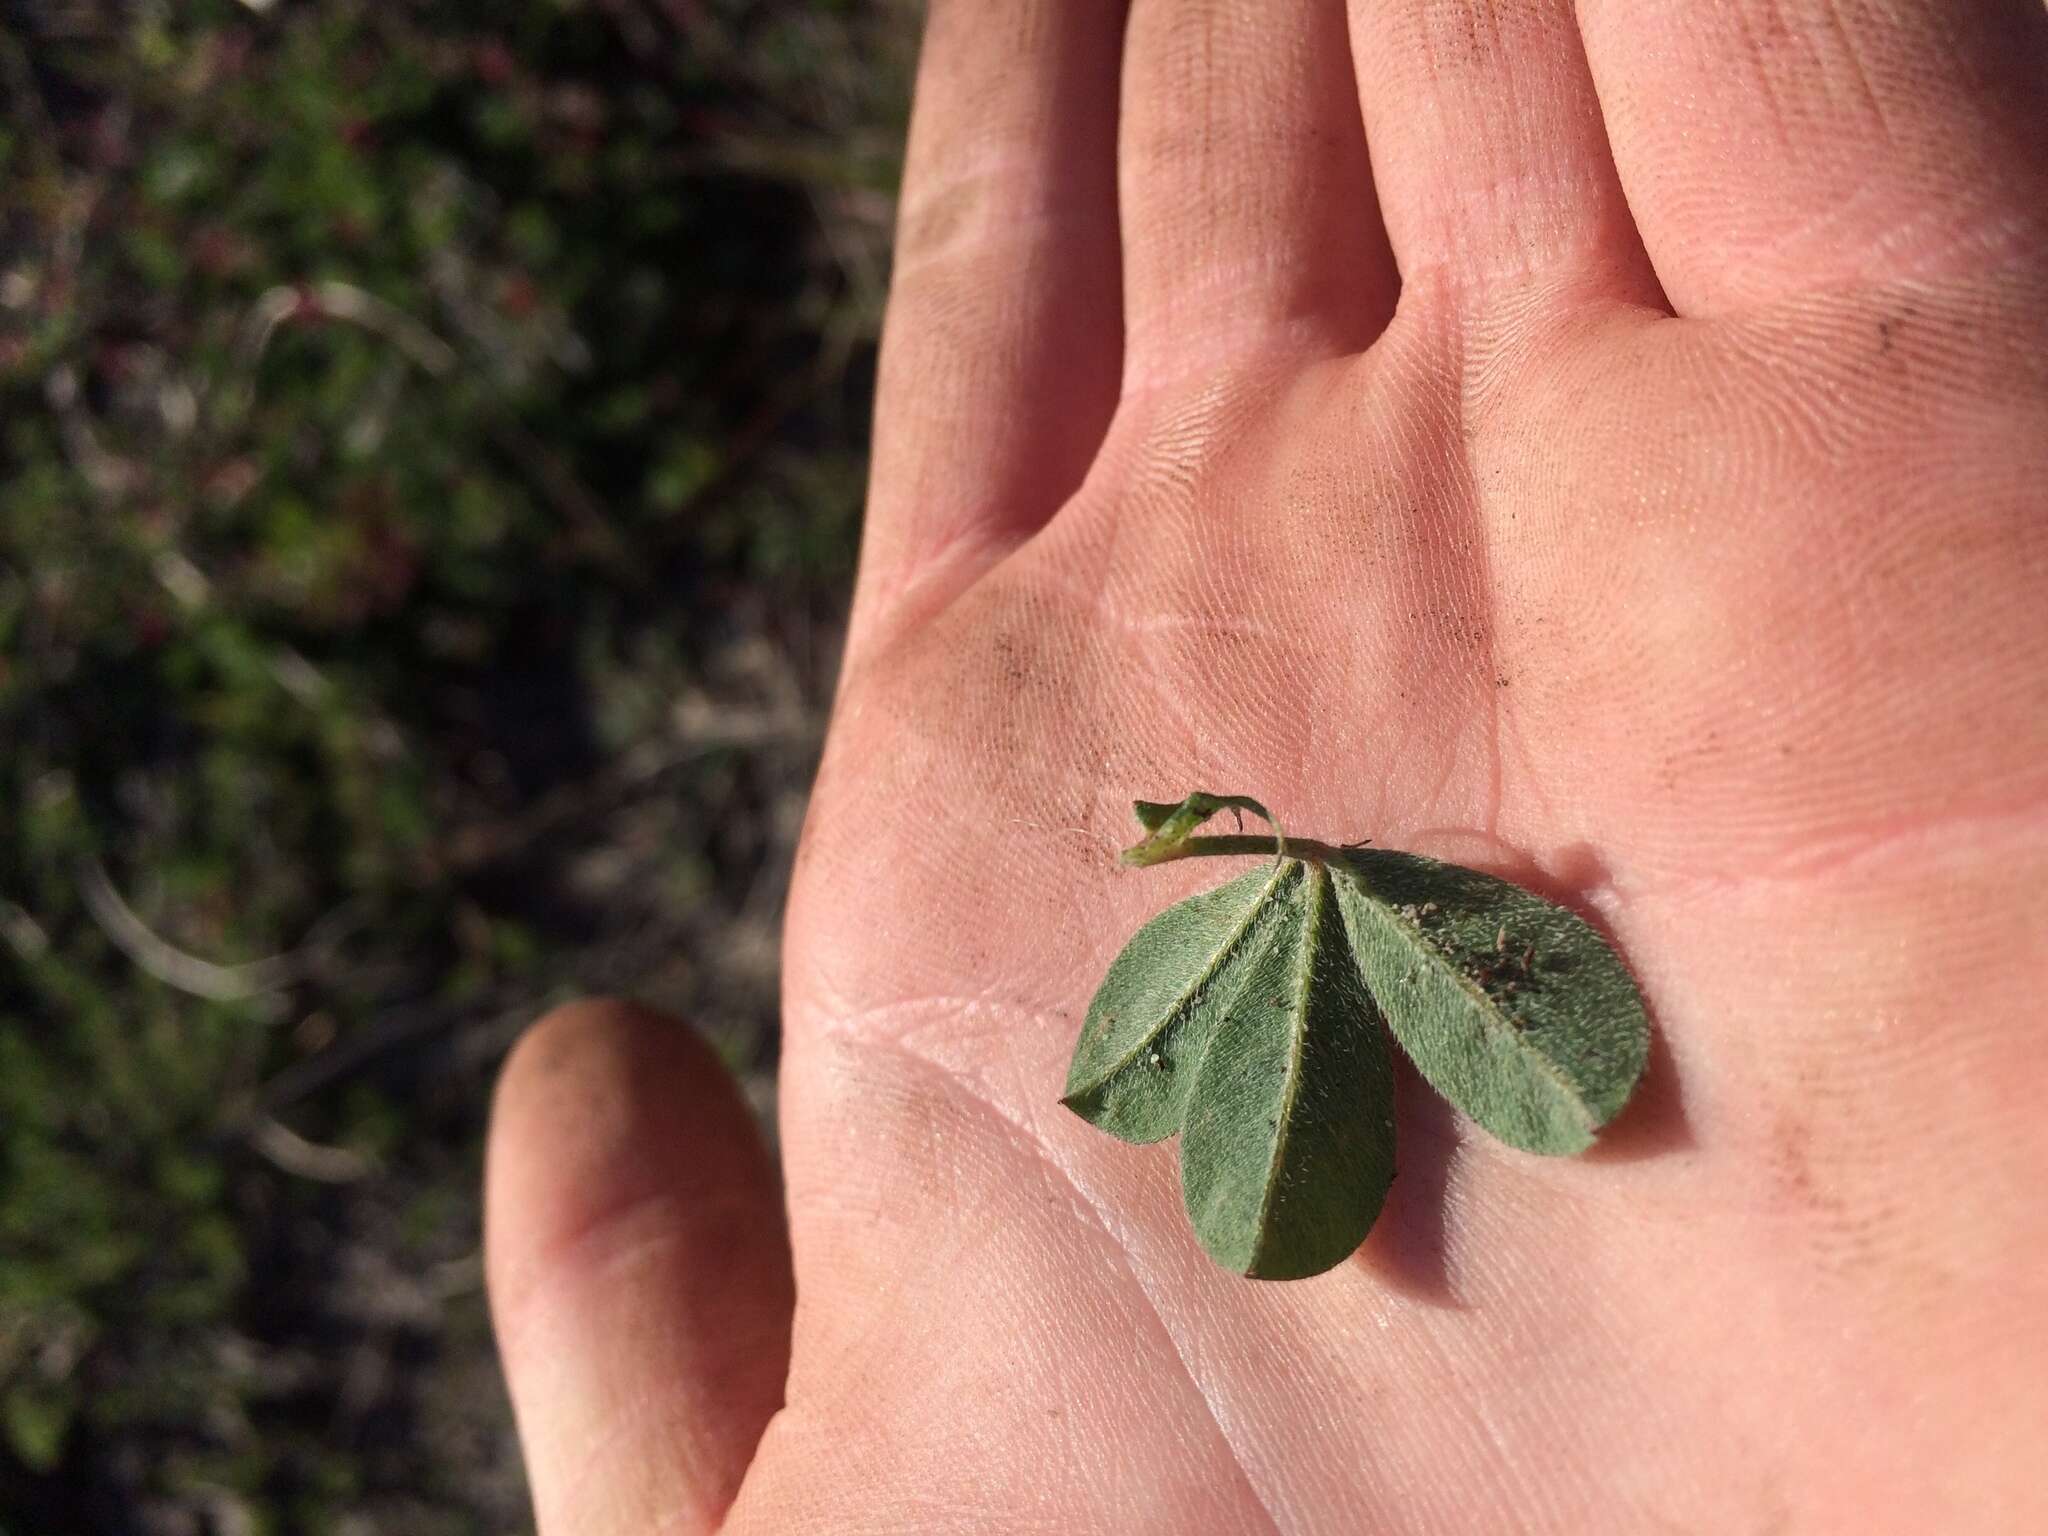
(1670, 535)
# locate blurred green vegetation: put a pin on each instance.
(430, 459)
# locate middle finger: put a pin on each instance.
(1246, 197)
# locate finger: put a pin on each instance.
(1490, 152)
(1249, 222)
(1773, 147)
(639, 1273)
(1003, 342)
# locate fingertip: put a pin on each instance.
(570, 1121)
(638, 1270)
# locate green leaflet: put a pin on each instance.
(1162, 1000)
(1170, 825)
(1288, 1147)
(1510, 1006)
(1249, 1019)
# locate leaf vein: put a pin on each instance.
(1189, 995)
(1304, 974)
(1491, 1018)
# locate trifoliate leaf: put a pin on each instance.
(1513, 1008)
(1162, 1000)
(1288, 1147)
(1249, 1019)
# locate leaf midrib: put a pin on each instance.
(1319, 889)
(1203, 977)
(1490, 1018)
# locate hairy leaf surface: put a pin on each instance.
(1288, 1146)
(1164, 997)
(1512, 1007)
(1251, 1020)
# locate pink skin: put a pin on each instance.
(1630, 476)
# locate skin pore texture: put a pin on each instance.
(1606, 446)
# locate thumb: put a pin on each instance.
(639, 1272)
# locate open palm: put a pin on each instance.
(1627, 477)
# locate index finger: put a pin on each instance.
(1004, 339)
